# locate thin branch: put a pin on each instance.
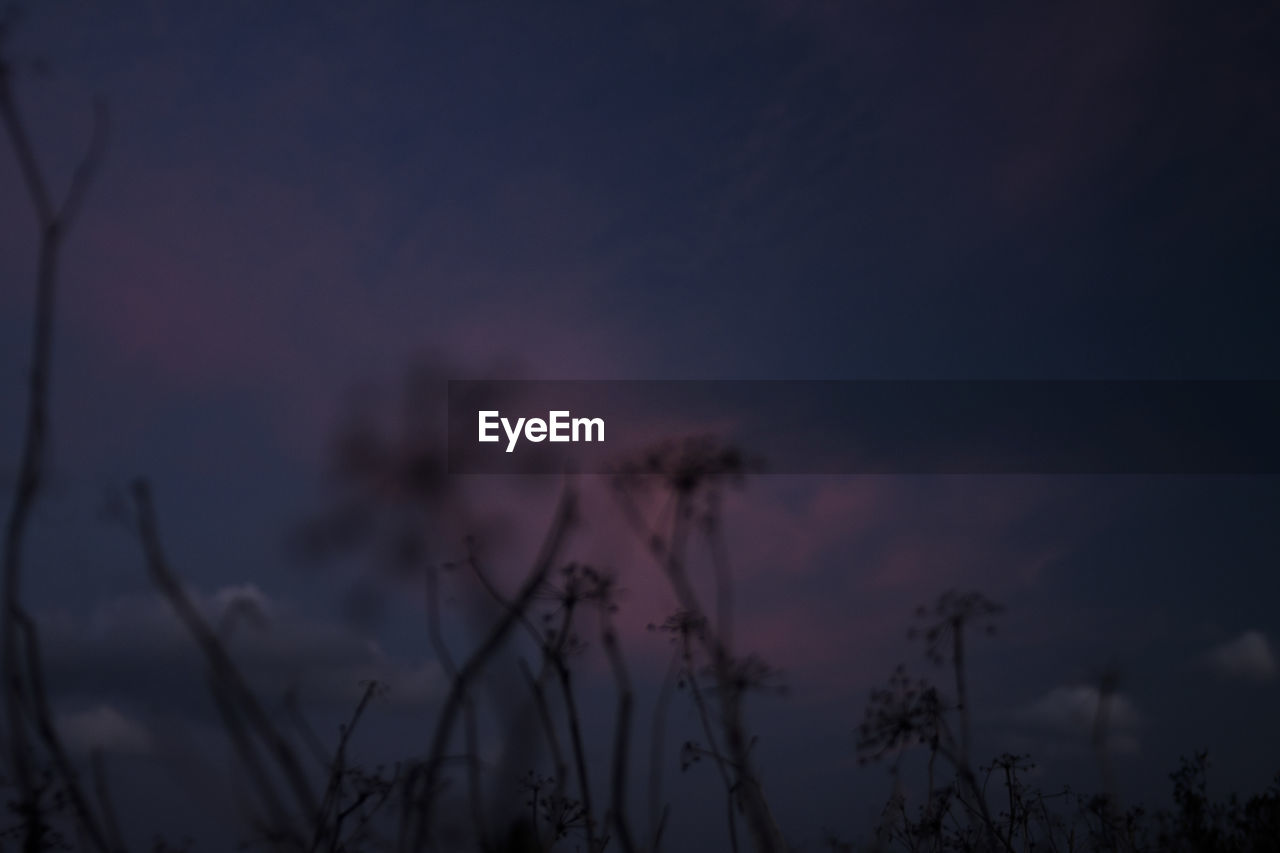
(43, 719)
(657, 749)
(548, 727)
(52, 226)
(487, 584)
(429, 773)
(222, 668)
(87, 168)
(722, 763)
(555, 657)
(278, 822)
(622, 731)
(670, 556)
(470, 732)
(309, 737)
(98, 766)
(32, 175)
(337, 769)
(714, 532)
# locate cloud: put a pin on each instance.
(1248, 657)
(1073, 709)
(202, 299)
(1068, 713)
(133, 648)
(103, 728)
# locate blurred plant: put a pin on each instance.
(689, 477)
(32, 736)
(390, 490)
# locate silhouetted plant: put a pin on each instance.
(691, 474)
(27, 715)
(388, 487)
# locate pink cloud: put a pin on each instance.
(208, 280)
(828, 571)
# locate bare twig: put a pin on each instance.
(622, 731)
(427, 776)
(565, 678)
(53, 223)
(336, 771)
(548, 727)
(669, 553)
(657, 749)
(308, 734)
(112, 828)
(723, 764)
(470, 732)
(555, 649)
(278, 823)
(227, 680)
(42, 718)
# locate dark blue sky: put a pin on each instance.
(306, 198)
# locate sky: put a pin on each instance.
(307, 207)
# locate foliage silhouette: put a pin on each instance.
(308, 797)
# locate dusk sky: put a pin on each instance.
(304, 204)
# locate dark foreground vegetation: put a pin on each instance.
(310, 795)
